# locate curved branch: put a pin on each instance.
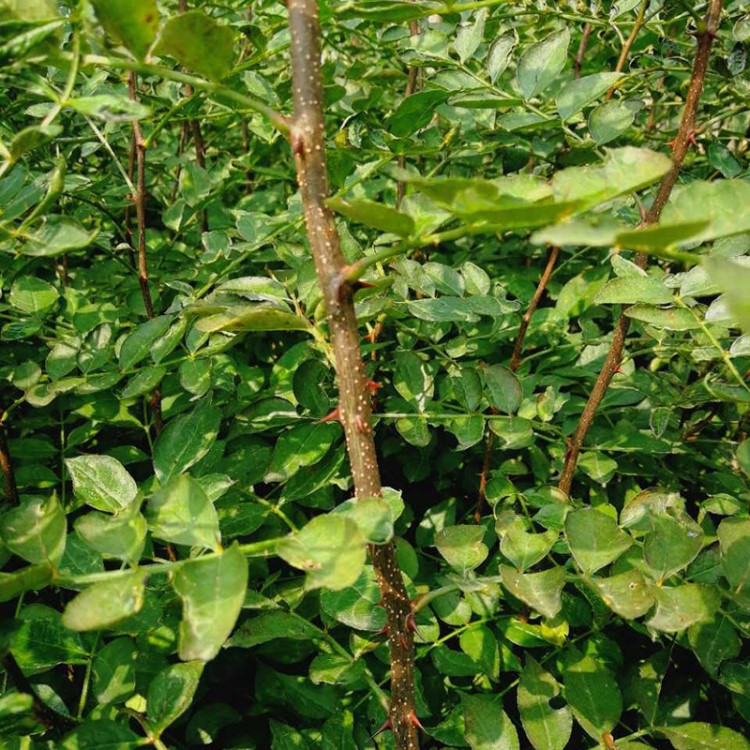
(706, 35)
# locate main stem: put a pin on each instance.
(685, 135)
(307, 139)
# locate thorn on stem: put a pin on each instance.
(334, 416)
(415, 721)
(386, 726)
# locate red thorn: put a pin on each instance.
(415, 721)
(385, 630)
(404, 642)
(373, 386)
(384, 727)
(334, 416)
(412, 627)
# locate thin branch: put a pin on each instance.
(411, 86)
(549, 267)
(625, 51)
(307, 139)
(6, 466)
(515, 362)
(578, 62)
(140, 210)
(706, 35)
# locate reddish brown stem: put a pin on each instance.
(515, 361)
(6, 466)
(140, 211)
(612, 362)
(578, 62)
(625, 51)
(307, 138)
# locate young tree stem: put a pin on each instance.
(682, 142)
(307, 139)
(140, 212)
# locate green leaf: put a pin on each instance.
(102, 482)
(541, 63)
(143, 382)
(56, 236)
(32, 295)
(303, 445)
(376, 215)
(373, 516)
(696, 735)
(212, 590)
(734, 541)
(110, 108)
(185, 440)
(577, 94)
(171, 693)
(680, 607)
(113, 671)
(102, 734)
(182, 513)
(503, 388)
(35, 530)
(714, 642)
(541, 591)
(199, 43)
(137, 345)
(272, 626)
(628, 594)
(595, 539)
(733, 278)
(253, 318)
(356, 606)
(415, 112)
(122, 537)
(672, 544)
(105, 604)
(28, 139)
(135, 23)
(630, 289)
(30, 578)
(487, 725)
(547, 728)
(39, 641)
(611, 119)
(719, 203)
(499, 55)
(338, 732)
(462, 547)
(521, 547)
(623, 171)
(592, 693)
(330, 549)
(671, 319)
(469, 36)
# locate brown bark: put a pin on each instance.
(140, 212)
(578, 62)
(307, 139)
(6, 467)
(685, 135)
(625, 51)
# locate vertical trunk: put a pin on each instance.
(307, 139)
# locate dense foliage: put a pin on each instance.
(182, 561)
